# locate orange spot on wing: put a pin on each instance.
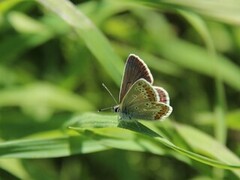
(161, 113)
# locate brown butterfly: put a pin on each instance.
(138, 98)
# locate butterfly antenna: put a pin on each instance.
(104, 109)
(111, 96)
(110, 93)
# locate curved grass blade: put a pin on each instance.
(90, 34)
(61, 146)
(98, 133)
(108, 131)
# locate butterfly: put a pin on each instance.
(138, 98)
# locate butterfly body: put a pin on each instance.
(139, 99)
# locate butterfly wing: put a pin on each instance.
(135, 69)
(142, 102)
(152, 111)
(163, 95)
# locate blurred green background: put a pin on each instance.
(54, 60)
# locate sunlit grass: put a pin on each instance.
(55, 56)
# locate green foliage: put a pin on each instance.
(54, 56)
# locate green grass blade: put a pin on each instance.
(14, 167)
(42, 99)
(205, 144)
(90, 122)
(107, 135)
(61, 146)
(90, 34)
(225, 11)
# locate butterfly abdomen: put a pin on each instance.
(124, 114)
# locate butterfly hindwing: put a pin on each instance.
(135, 69)
(163, 95)
(152, 111)
(142, 102)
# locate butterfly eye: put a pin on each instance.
(116, 109)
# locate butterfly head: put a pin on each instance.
(116, 108)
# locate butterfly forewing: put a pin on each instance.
(135, 69)
(142, 102)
